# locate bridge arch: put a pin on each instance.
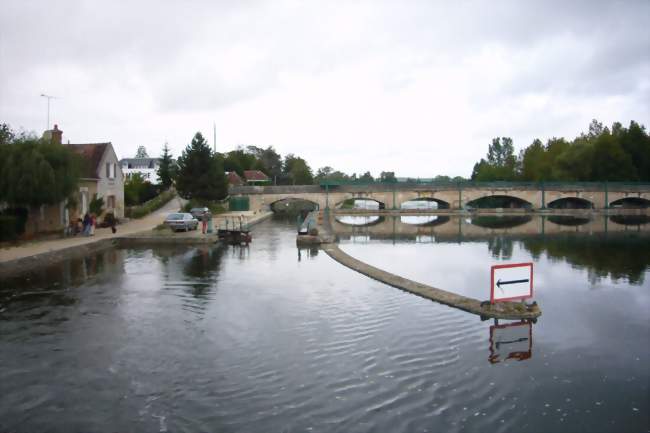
(631, 203)
(499, 201)
(293, 205)
(425, 203)
(361, 202)
(571, 203)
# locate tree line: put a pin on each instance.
(602, 154)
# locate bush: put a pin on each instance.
(96, 205)
(215, 207)
(8, 225)
(12, 223)
(150, 206)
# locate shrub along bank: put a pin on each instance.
(150, 206)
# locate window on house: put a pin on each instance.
(110, 170)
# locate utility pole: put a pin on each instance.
(214, 136)
(48, 108)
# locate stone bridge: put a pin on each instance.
(595, 195)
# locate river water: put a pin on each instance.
(271, 338)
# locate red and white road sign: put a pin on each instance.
(510, 282)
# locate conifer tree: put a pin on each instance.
(200, 172)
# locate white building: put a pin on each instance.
(146, 167)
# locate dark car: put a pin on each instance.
(181, 221)
(198, 212)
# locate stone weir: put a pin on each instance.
(501, 310)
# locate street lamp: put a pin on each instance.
(48, 108)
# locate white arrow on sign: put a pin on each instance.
(512, 281)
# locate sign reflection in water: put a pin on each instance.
(511, 341)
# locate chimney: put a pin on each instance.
(57, 134)
(53, 135)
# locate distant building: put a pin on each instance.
(234, 178)
(256, 177)
(145, 167)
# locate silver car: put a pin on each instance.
(181, 221)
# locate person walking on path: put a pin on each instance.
(204, 222)
(86, 225)
(93, 224)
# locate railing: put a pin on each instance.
(444, 185)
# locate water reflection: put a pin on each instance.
(568, 220)
(511, 341)
(603, 248)
(500, 247)
(630, 220)
(620, 257)
(424, 220)
(360, 220)
(500, 222)
(307, 252)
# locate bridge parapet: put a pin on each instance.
(456, 195)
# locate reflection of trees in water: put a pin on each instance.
(500, 247)
(51, 286)
(500, 222)
(568, 220)
(619, 257)
(630, 220)
(203, 267)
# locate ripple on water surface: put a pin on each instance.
(268, 338)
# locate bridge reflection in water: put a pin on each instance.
(456, 228)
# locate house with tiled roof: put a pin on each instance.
(234, 179)
(101, 177)
(256, 177)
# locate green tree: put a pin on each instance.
(96, 205)
(636, 143)
(366, 178)
(200, 172)
(500, 164)
(387, 177)
(166, 170)
(328, 173)
(610, 161)
(297, 170)
(270, 161)
(35, 171)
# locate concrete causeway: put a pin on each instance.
(502, 310)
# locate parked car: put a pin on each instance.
(198, 212)
(181, 221)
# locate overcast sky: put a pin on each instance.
(419, 88)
